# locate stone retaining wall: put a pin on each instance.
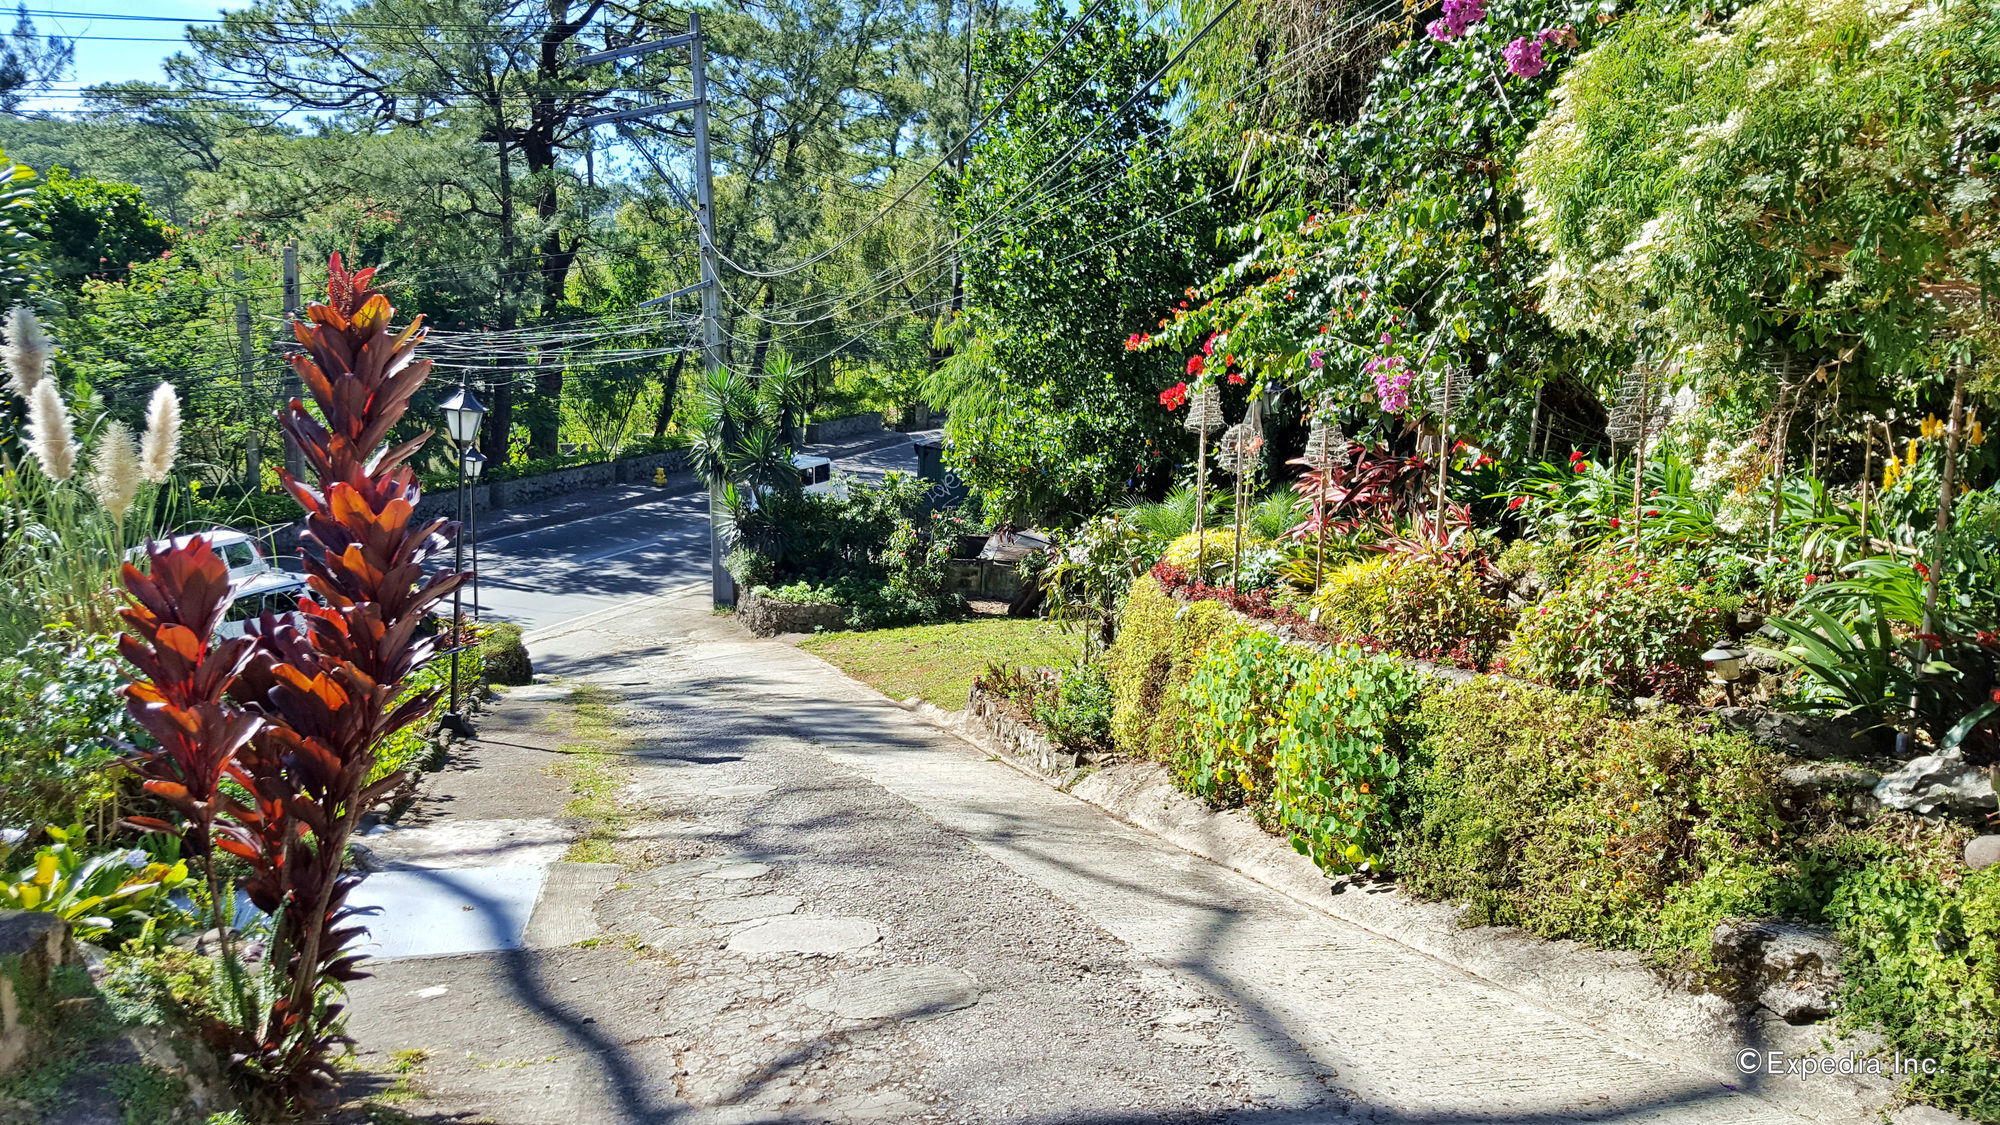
(523, 491)
(840, 429)
(1023, 741)
(767, 617)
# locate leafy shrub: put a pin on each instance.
(113, 890)
(1158, 645)
(1424, 605)
(1540, 810)
(1338, 779)
(1234, 717)
(417, 747)
(1210, 555)
(795, 535)
(1622, 624)
(1075, 711)
(62, 723)
(1922, 964)
(1350, 595)
(503, 656)
(1316, 741)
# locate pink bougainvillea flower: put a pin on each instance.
(1524, 57)
(1235, 377)
(1458, 15)
(1318, 359)
(1173, 396)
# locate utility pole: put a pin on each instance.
(295, 458)
(246, 367)
(721, 586)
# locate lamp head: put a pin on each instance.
(462, 415)
(1726, 661)
(475, 463)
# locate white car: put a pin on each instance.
(255, 584)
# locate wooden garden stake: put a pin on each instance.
(1945, 486)
(1204, 418)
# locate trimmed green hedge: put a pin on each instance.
(1539, 809)
(1160, 639)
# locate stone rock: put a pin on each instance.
(813, 934)
(1938, 785)
(904, 992)
(1982, 852)
(1792, 970)
(1804, 736)
(34, 945)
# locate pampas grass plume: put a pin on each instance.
(163, 435)
(50, 436)
(114, 477)
(26, 352)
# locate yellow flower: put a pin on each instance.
(1977, 435)
(45, 869)
(1931, 427)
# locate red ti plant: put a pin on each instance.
(325, 683)
(1376, 484)
(181, 698)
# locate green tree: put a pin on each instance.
(89, 228)
(1076, 221)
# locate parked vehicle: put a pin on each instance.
(256, 584)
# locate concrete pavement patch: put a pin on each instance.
(811, 934)
(429, 913)
(903, 992)
(729, 911)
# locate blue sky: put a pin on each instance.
(105, 51)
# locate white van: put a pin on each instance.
(816, 476)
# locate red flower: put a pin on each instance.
(1614, 523)
(1135, 341)
(1208, 345)
(1580, 467)
(1811, 578)
(1173, 396)
(1923, 571)
(1996, 695)
(1652, 513)
(1195, 364)
(1576, 456)
(1516, 502)
(1235, 377)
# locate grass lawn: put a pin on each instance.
(938, 662)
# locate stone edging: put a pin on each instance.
(1616, 992)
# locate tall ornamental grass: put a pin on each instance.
(77, 499)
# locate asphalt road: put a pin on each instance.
(546, 577)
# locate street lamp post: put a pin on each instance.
(475, 463)
(462, 416)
